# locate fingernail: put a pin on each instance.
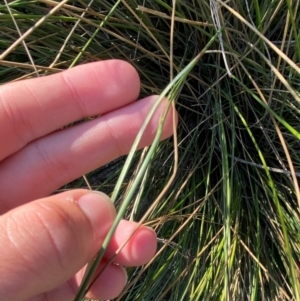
(100, 211)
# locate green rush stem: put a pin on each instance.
(128, 162)
(287, 246)
(292, 130)
(93, 265)
(226, 205)
(94, 34)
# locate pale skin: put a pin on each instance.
(46, 240)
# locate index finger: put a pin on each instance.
(33, 108)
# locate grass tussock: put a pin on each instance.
(229, 222)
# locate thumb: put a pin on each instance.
(45, 242)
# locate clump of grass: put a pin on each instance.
(230, 219)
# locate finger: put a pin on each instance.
(140, 247)
(107, 286)
(33, 108)
(110, 280)
(52, 161)
(44, 243)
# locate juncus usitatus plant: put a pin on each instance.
(171, 92)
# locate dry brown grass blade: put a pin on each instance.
(23, 42)
(177, 19)
(31, 30)
(274, 47)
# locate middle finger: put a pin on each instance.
(52, 161)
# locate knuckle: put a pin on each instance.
(115, 137)
(50, 162)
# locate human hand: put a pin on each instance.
(45, 241)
